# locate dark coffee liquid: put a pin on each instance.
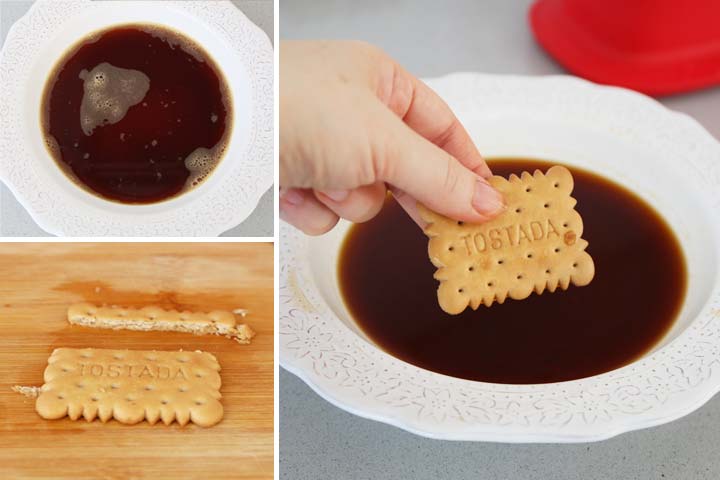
(136, 114)
(387, 283)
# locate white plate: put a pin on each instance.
(241, 50)
(668, 158)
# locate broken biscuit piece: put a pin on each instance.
(131, 386)
(534, 245)
(218, 322)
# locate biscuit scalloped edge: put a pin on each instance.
(533, 246)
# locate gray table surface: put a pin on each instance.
(14, 219)
(320, 441)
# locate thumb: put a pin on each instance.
(432, 176)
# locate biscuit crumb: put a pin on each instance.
(29, 392)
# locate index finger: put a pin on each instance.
(428, 115)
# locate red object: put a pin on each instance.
(653, 46)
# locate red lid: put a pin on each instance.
(653, 46)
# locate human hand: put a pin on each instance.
(352, 124)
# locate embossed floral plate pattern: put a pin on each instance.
(243, 53)
(666, 157)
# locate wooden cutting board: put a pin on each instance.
(37, 283)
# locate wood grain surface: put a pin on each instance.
(37, 283)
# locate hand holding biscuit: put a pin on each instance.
(533, 247)
(354, 123)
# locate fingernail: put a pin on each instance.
(292, 196)
(336, 195)
(486, 200)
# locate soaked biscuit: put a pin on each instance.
(534, 245)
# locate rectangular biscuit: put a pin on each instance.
(217, 322)
(131, 386)
(533, 245)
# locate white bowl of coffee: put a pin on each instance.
(638, 346)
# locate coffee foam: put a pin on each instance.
(201, 162)
(109, 92)
(52, 145)
(175, 39)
